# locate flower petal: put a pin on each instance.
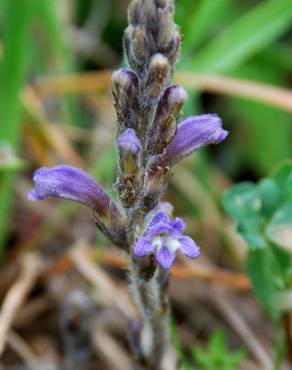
(32, 196)
(192, 134)
(165, 258)
(128, 143)
(160, 216)
(143, 247)
(70, 183)
(159, 224)
(129, 148)
(67, 182)
(161, 228)
(188, 247)
(178, 227)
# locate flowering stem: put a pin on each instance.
(154, 311)
(149, 143)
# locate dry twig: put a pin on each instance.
(241, 327)
(110, 291)
(23, 350)
(29, 271)
(230, 279)
(99, 81)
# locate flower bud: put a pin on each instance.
(124, 84)
(164, 126)
(129, 148)
(134, 12)
(127, 44)
(125, 87)
(167, 26)
(128, 184)
(172, 48)
(158, 75)
(140, 45)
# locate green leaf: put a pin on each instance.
(217, 356)
(243, 204)
(249, 34)
(201, 358)
(260, 267)
(279, 230)
(217, 346)
(270, 195)
(241, 201)
(283, 177)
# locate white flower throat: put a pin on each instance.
(170, 242)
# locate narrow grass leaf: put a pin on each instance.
(249, 34)
(13, 70)
(202, 20)
(266, 130)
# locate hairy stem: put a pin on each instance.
(154, 309)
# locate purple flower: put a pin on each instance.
(129, 147)
(163, 238)
(70, 183)
(125, 81)
(164, 126)
(125, 89)
(192, 134)
(128, 143)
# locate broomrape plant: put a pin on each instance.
(150, 141)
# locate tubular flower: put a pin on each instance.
(66, 182)
(192, 134)
(163, 238)
(70, 183)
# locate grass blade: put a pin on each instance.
(249, 34)
(202, 21)
(13, 71)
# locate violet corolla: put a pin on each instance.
(163, 238)
(70, 183)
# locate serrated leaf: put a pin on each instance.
(249, 34)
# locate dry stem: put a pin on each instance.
(30, 268)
